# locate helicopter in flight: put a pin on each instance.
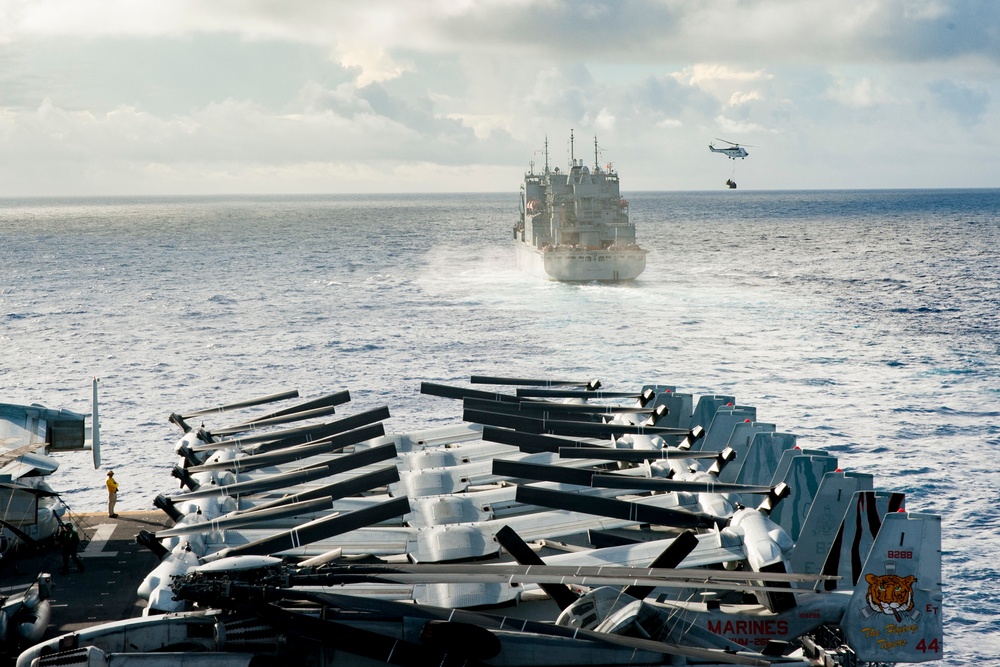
(733, 151)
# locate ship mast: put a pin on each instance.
(546, 153)
(597, 167)
(572, 158)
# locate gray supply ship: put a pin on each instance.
(574, 225)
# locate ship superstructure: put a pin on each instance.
(575, 224)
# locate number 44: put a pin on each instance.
(923, 646)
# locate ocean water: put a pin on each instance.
(865, 322)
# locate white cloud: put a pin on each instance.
(669, 123)
(859, 94)
(605, 120)
(707, 74)
(300, 96)
(738, 127)
(738, 98)
(375, 64)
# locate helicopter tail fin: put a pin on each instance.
(895, 612)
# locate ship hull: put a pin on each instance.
(581, 265)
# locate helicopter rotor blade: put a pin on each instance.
(617, 509)
(326, 445)
(532, 443)
(541, 575)
(632, 455)
(565, 427)
(526, 410)
(243, 404)
(591, 385)
(320, 529)
(337, 490)
(335, 398)
(662, 484)
(571, 410)
(313, 431)
(344, 463)
(561, 594)
(233, 521)
(447, 391)
(670, 558)
(575, 393)
(258, 424)
(539, 472)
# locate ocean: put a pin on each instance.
(865, 322)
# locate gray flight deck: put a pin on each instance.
(114, 566)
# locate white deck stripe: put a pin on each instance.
(95, 548)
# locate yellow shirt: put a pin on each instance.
(112, 485)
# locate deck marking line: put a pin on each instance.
(95, 548)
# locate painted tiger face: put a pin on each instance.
(889, 594)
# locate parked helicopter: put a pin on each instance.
(681, 471)
(31, 510)
(733, 151)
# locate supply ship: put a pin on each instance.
(575, 226)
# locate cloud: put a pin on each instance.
(707, 74)
(697, 30)
(374, 65)
(859, 94)
(737, 127)
(739, 98)
(970, 104)
(335, 96)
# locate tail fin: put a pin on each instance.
(826, 515)
(858, 531)
(895, 612)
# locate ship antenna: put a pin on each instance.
(596, 165)
(546, 153)
(572, 157)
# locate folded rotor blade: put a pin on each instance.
(631, 455)
(230, 522)
(542, 406)
(310, 433)
(562, 427)
(543, 473)
(337, 490)
(524, 409)
(562, 595)
(257, 424)
(336, 398)
(319, 529)
(295, 477)
(446, 391)
(342, 425)
(590, 411)
(244, 404)
(617, 509)
(669, 558)
(591, 385)
(571, 393)
(533, 443)
(609, 481)
(326, 445)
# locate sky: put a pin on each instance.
(174, 97)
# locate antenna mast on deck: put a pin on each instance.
(572, 158)
(597, 166)
(546, 153)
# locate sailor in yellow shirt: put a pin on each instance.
(112, 493)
